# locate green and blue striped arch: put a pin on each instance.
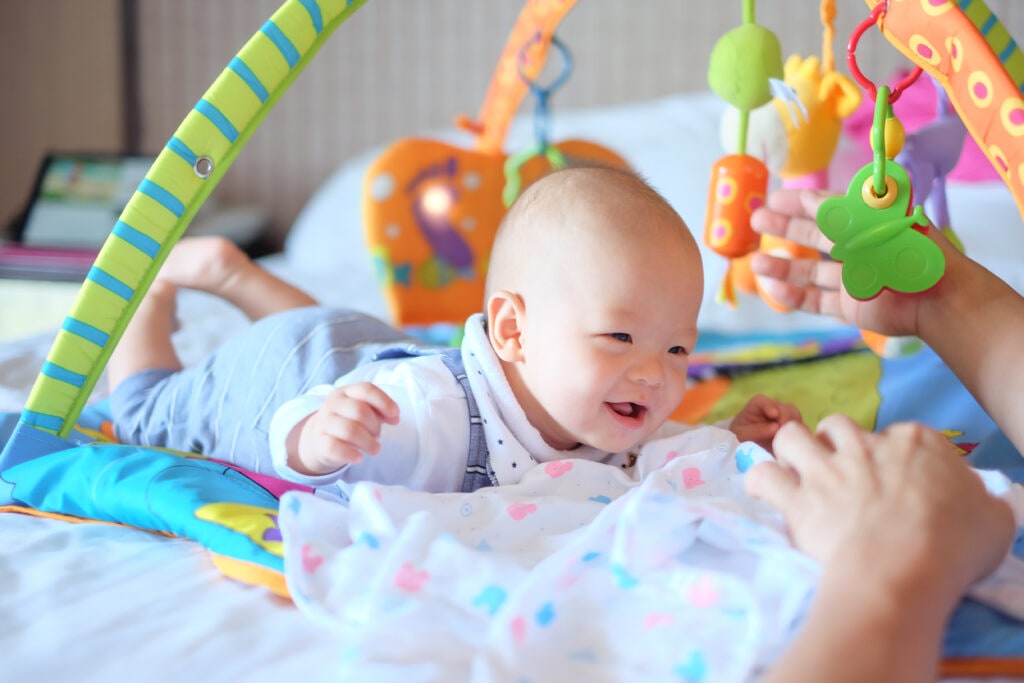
(181, 178)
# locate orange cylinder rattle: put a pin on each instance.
(739, 183)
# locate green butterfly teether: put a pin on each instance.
(877, 238)
(881, 243)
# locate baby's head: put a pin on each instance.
(593, 290)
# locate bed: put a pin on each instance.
(91, 601)
(88, 601)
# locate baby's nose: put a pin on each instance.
(647, 370)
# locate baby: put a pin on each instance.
(590, 314)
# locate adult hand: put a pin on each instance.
(900, 504)
(815, 285)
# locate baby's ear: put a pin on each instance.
(505, 312)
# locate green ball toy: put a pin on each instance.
(742, 61)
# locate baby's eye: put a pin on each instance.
(678, 350)
(621, 336)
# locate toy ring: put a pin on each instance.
(879, 201)
(851, 59)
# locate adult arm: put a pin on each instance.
(876, 510)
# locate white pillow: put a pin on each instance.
(325, 250)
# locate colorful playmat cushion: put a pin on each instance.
(231, 512)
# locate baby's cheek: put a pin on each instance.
(677, 381)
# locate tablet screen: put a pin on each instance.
(78, 199)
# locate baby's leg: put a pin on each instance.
(146, 342)
(210, 264)
(217, 266)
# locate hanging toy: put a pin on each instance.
(879, 236)
(746, 71)
(929, 155)
(829, 97)
(541, 122)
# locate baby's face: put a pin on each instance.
(607, 346)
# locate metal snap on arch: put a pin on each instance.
(203, 167)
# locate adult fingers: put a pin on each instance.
(775, 275)
(920, 437)
(791, 214)
(795, 297)
(773, 483)
(844, 435)
(798, 271)
(795, 446)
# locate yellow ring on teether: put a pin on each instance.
(867, 193)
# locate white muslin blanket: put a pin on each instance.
(581, 572)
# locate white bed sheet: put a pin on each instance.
(94, 602)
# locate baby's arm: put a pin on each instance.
(346, 426)
(424, 450)
(761, 418)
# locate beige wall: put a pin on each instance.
(398, 67)
(60, 68)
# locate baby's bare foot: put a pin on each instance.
(209, 264)
(217, 266)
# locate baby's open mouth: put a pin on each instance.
(628, 409)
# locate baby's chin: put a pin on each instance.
(609, 444)
(597, 443)
(607, 441)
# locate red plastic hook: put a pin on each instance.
(851, 59)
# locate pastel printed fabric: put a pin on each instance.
(577, 571)
(582, 571)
